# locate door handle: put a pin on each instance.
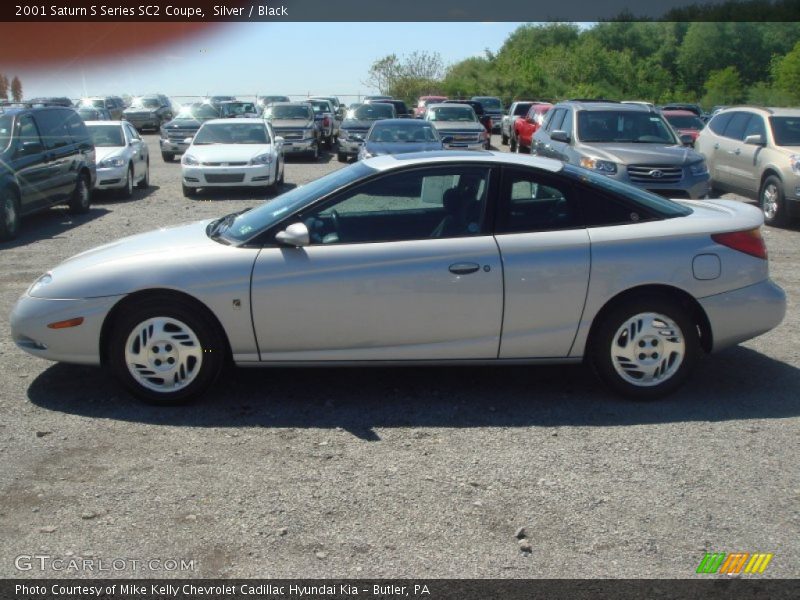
(737, 152)
(716, 146)
(464, 268)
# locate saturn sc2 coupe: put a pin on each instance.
(433, 258)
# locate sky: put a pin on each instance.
(263, 58)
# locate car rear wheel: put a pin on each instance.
(504, 139)
(341, 157)
(645, 347)
(772, 202)
(188, 192)
(165, 351)
(167, 156)
(145, 182)
(9, 214)
(314, 154)
(81, 198)
(513, 144)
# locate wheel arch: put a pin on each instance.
(767, 172)
(683, 298)
(139, 296)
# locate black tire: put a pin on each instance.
(188, 192)
(81, 199)
(611, 340)
(504, 139)
(329, 142)
(145, 182)
(341, 157)
(282, 173)
(198, 333)
(127, 191)
(9, 214)
(314, 154)
(513, 144)
(167, 156)
(772, 202)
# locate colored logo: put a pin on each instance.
(734, 563)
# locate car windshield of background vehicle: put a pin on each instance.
(248, 225)
(786, 130)
(656, 204)
(394, 134)
(6, 122)
(493, 103)
(372, 112)
(623, 127)
(232, 133)
(145, 103)
(685, 122)
(93, 103)
(452, 113)
(198, 111)
(106, 136)
(320, 107)
(521, 109)
(287, 112)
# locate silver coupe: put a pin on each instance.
(418, 259)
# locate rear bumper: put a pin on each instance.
(745, 313)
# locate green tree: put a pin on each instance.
(16, 89)
(723, 87)
(786, 74)
(3, 87)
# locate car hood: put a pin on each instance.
(227, 152)
(357, 124)
(631, 154)
(401, 147)
(183, 124)
(104, 152)
(458, 126)
(291, 123)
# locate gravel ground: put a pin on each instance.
(390, 472)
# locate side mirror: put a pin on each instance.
(755, 139)
(687, 140)
(188, 140)
(559, 136)
(295, 235)
(30, 148)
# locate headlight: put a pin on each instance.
(113, 161)
(262, 159)
(188, 159)
(699, 168)
(794, 161)
(40, 283)
(601, 166)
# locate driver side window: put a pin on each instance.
(412, 205)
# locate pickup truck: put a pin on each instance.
(518, 109)
(295, 123)
(493, 107)
(522, 134)
(325, 117)
(148, 112)
(422, 105)
(185, 125)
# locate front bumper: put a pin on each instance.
(80, 345)
(111, 178)
(247, 176)
(692, 187)
(173, 147)
(745, 313)
(350, 147)
(298, 146)
(144, 122)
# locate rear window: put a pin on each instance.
(52, 127)
(6, 123)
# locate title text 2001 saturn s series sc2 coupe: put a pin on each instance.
(431, 258)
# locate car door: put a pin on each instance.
(744, 169)
(727, 146)
(546, 262)
(33, 172)
(708, 144)
(401, 267)
(559, 149)
(59, 151)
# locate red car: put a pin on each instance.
(525, 128)
(684, 122)
(422, 104)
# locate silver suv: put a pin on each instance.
(628, 142)
(756, 152)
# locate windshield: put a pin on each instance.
(623, 127)
(414, 133)
(232, 133)
(268, 99)
(106, 136)
(451, 113)
(685, 122)
(239, 108)
(6, 122)
(320, 106)
(521, 109)
(145, 103)
(287, 111)
(198, 111)
(93, 103)
(493, 103)
(786, 130)
(372, 112)
(253, 222)
(90, 114)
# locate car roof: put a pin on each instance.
(448, 104)
(767, 111)
(298, 103)
(404, 122)
(236, 120)
(678, 113)
(391, 161)
(108, 122)
(603, 106)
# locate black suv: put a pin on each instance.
(46, 157)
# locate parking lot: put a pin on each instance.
(423, 472)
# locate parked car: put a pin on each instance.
(93, 114)
(483, 117)
(48, 158)
(235, 108)
(423, 102)
(123, 159)
(113, 104)
(187, 122)
(325, 117)
(149, 112)
(625, 142)
(264, 101)
(684, 122)
(494, 108)
(517, 110)
(756, 152)
(459, 126)
(377, 97)
(338, 107)
(521, 138)
(219, 99)
(296, 124)
(400, 108)
(693, 108)
(356, 125)
(400, 136)
(233, 153)
(413, 261)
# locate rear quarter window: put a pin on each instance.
(718, 123)
(52, 125)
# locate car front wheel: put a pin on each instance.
(167, 156)
(165, 351)
(772, 202)
(9, 214)
(645, 348)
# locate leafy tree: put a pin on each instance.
(786, 73)
(16, 89)
(723, 87)
(3, 87)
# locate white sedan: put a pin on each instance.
(233, 153)
(123, 159)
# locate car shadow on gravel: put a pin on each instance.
(50, 224)
(737, 384)
(243, 193)
(113, 197)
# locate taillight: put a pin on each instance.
(750, 242)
